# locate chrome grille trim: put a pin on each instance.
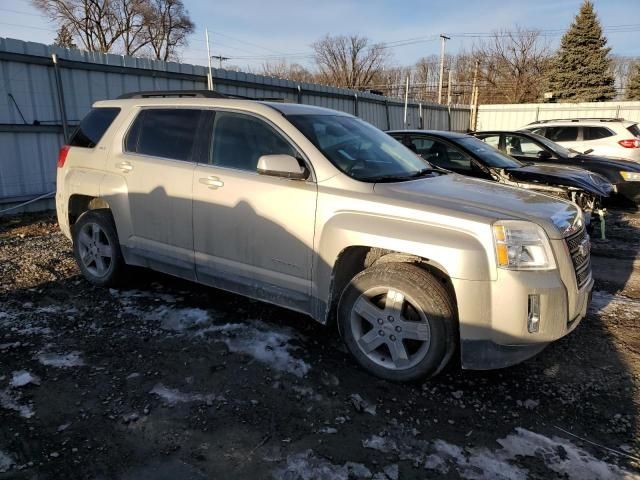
(581, 262)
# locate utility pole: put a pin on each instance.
(474, 97)
(449, 88)
(220, 59)
(209, 75)
(443, 39)
(406, 101)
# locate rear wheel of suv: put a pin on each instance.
(398, 321)
(97, 249)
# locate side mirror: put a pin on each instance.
(544, 155)
(284, 166)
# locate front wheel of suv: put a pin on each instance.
(398, 321)
(97, 249)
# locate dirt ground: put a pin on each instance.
(165, 379)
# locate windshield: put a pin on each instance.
(359, 149)
(489, 155)
(551, 145)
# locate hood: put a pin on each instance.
(486, 199)
(562, 176)
(620, 163)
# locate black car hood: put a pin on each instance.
(562, 176)
(623, 165)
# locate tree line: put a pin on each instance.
(512, 67)
(509, 66)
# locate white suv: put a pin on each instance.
(609, 137)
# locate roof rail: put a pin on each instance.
(174, 93)
(193, 94)
(599, 119)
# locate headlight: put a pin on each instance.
(631, 176)
(522, 245)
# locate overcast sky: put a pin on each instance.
(255, 31)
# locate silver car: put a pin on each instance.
(320, 212)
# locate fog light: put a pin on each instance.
(533, 315)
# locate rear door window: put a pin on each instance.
(166, 133)
(421, 146)
(93, 126)
(596, 133)
(493, 140)
(442, 154)
(522, 146)
(562, 134)
(634, 130)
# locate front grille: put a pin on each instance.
(580, 257)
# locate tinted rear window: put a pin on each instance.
(92, 127)
(166, 133)
(562, 134)
(596, 133)
(634, 129)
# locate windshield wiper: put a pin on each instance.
(396, 177)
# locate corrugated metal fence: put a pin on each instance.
(511, 117)
(31, 118)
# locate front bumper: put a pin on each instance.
(493, 316)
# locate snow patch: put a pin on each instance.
(21, 378)
(264, 343)
(10, 401)
(64, 360)
(479, 464)
(173, 396)
(560, 456)
(179, 319)
(308, 466)
(6, 462)
(605, 303)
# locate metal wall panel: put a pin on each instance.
(511, 117)
(31, 119)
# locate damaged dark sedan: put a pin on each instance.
(468, 155)
(527, 146)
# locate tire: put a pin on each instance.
(97, 249)
(393, 308)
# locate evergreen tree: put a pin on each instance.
(633, 84)
(64, 38)
(581, 70)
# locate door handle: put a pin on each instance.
(212, 182)
(124, 166)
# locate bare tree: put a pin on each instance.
(623, 68)
(167, 27)
(158, 27)
(349, 61)
(513, 66)
(131, 16)
(92, 22)
(288, 71)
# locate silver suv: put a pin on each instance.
(320, 212)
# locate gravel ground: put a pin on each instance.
(166, 379)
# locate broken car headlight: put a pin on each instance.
(522, 245)
(631, 176)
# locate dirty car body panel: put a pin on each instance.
(281, 240)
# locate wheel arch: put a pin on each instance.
(80, 203)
